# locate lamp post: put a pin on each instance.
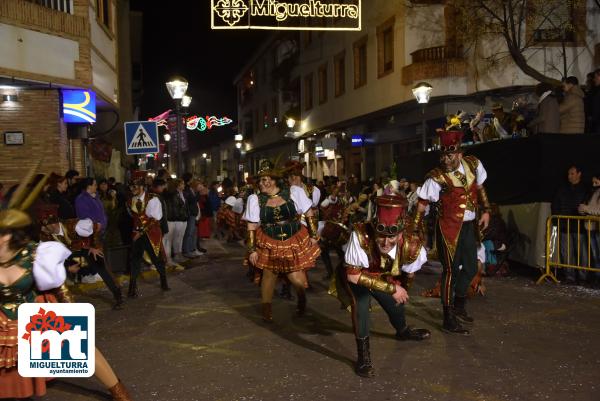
(422, 92)
(177, 88)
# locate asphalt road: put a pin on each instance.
(204, 340)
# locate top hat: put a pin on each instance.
(48, 214)
(389, 219)
(267, 169)
(450, 141)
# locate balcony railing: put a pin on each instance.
(45, 15)
(437, 53)
(65, 6)
(435, 62)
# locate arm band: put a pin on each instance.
(63, 294)
(483, 198)
(251, 241)
(312, 225)
(377, 284)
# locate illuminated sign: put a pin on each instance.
(203, 124)
(358, 140)
(79, 106)
(324, 15)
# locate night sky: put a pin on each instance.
(178, 41)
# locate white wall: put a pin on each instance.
(378, 93)
(37, 53)
(104, 79)
(105, 44)
(104, 57)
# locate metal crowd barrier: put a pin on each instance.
(570, 242)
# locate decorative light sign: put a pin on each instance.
(358, 140)
(79, 106)
(273, 14)
(206, 123)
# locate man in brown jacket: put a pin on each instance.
(548, 118)
(572, 112)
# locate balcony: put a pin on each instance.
(48, 17)
(435, 62)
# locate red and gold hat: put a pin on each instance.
(450, 141)
(293, 167)
(48, 214)
(389, 219)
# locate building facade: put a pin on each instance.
(48, 48)
(356, 113)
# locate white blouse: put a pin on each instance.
(430, 191)
(356, 256)
(153, 208)
(48, 266)
(297, 194)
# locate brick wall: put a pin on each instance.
(37, 115)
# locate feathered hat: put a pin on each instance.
(22, 198)
(450, 141)
(268, 169)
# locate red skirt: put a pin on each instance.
(294, 254)
(204, 227)
(13, 385)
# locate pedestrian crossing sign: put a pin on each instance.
(141, 137)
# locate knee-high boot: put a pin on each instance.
(364, 367)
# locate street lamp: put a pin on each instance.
(290, 122)
(422, 92)
(186, 100)
(177, 88)
(167, 137)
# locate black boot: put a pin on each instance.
(163, 282)
(410, 334)
(133, 290)
(451, 325)
(118, 305)
(363, 364)
(459, 310)
(301, 308)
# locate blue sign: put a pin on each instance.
(358, 140)
(79, 106)
(141, 137)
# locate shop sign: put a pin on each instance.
(79, 106)
(321, 15)
(358, 140)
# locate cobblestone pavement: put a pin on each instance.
(204, 340)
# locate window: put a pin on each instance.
(554, 22)
(339, 72)
(308, 91)
(103, 13)
(275, 110)
(385, 48)
(323, 83)
(360, 62)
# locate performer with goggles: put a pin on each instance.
(380, 263)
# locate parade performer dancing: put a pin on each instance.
(82, 238)
(146, 210)
(277, 242)
(335, 232)
(380, 263)
(32, 273)
(458, 188)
